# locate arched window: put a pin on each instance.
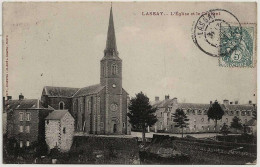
(114, 69)
(61, 105)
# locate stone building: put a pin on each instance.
(100, 108)
(25, 121)
(197, 115)
(59, 130)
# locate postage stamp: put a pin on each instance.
(206, 32)
(243, 52)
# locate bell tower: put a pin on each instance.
(111, 78)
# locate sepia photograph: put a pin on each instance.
(130, 83)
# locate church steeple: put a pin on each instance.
(111, 64)
(111, 48)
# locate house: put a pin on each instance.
(59, 130)
(101, 108)
(25, 121)
(251, 126)
(197, 115)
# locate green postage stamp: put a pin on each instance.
(243, 55)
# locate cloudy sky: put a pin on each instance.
(61, 44)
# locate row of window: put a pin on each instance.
(24, 116)
(27, 144)
(196, 128)
(27, 129)
(81, 106)
(202, 120)
(205, 112)
(114, 70)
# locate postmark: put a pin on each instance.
(243, 54)
(206, 32)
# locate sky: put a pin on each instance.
(61, 44)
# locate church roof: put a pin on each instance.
(93, 89)
(23, 104)
(56, 114)
(111, 37)
(60, 91)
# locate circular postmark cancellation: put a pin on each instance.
(217, 32)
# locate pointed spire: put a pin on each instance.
(111, 37)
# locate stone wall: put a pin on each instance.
(104, 150)
(213, 154)
(52, 133)
(67, 122)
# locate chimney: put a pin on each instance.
(21, 97)
(157, 98)
(210, 102)
(167, 97)
(236, 102)
(225, 102)
(175, 100)
(9, 97)
(250, 102)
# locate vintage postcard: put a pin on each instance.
(129, 83)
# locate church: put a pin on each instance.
(100, 108)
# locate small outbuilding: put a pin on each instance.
(59, 130)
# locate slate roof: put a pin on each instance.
(56, 114)
(162, 103)
(235, 107)
(93, 89)
(60, 91)
(23, 104)
(193, 105)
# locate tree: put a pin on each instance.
(236, 124)
(141, 113)
(180, 118)
(215, 113)
(224, 130)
